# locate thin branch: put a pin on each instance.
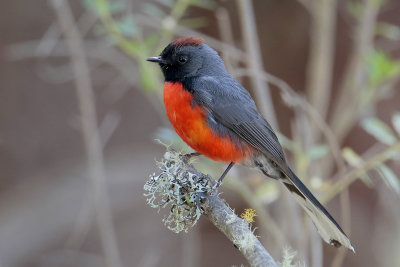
(345, 208)
(90, 132)
(320, 65)
(226, 33)
(306, 4)
(346, 107)
(353, 175)
(254, 60)
(234, 52)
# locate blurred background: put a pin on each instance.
(80, 109)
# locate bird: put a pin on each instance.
(217, 117)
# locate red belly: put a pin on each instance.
(190, 122)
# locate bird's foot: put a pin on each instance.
(219, 182)
(188, 156)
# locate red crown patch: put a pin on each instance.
(188, 41)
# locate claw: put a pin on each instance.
(188, 156)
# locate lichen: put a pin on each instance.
(181, 188)
(244, 241)
(288, 258)
(248, 215)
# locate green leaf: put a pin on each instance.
(152, 40)
(390, 179)
(317, 152)
(206, 4)
(354, 8)
(127, 26)
(135, 48)
(116, 6)
(194, 23)
(354, 160)
(387, 30)
(379, 130)
(147, 79)
(286, 142)
(396, 121)
(153, 10)
(381, 68)
(100, 7)
(89, 4)
(99, 29)
(267, 192)
(168, 3)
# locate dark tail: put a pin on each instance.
(327, 227)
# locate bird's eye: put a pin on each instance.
(182, 59)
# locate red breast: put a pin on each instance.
(190, 122)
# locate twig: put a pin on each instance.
(355, 173)
(226, 33)
(306, 4)
(90, 132)
(320, 65)
(234, 52)
(346, 109)
(345, 208)
(254, 60)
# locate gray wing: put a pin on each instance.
(232, 106)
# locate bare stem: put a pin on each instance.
(90, 132)
(319, 70)
(226, 33)
(346, 107)
(352, 176)
(254, 60)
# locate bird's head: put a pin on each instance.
(188, 57)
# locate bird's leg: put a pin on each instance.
(188, 156)
(225, 173)
(194, 154)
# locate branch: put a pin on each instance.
(238, 231)
(254, 60)
(320, 65)
(90, 131)
(353, 175)
(226, 33)
(191, 194)
(270, 226)
(346, 108)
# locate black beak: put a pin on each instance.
(155, 59)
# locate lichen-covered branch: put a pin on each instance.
(237, 230)
(190, 194)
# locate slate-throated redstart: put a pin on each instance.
(218, 118)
